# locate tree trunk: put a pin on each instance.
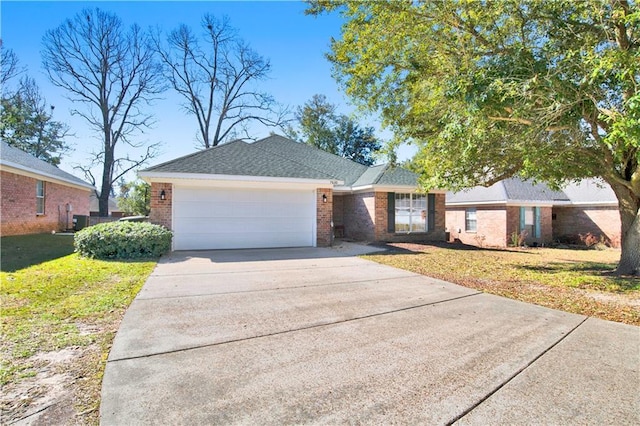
(103, 199)
(630, 256)
(629, 206)
(107, 173)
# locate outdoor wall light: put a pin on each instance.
(324, 198)
(163, 195)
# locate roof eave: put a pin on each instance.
(12, 167)
(510, 203)
(170, 177)
(393, 188)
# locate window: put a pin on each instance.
(470, 220)
(410, 213)
(40, 197)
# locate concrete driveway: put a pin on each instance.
(318, 336)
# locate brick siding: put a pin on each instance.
(570, 222)
(381, 225)
(18, 206)
(490, 229)
(365, 218)
(338, 210)
(495, 225)
(359, 215)
(161, 209)
(324, 217)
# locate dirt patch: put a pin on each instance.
(62, 391)
(50, 389)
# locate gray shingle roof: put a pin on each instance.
(516, 190)
(313, 158)
(239, 158)
(398, 176)
(14, 157)
(277, 156)
(590, 191)
(519, 190)
(370, 176)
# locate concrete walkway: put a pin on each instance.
(317, 336)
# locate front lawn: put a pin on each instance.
(22, 251)
(573, 280)
(59, 318)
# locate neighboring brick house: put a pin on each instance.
(592, 208)
(37, 197)
(280, 193)
(491, 216)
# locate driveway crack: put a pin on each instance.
(516, 374)
(308, 327)
(264, 290)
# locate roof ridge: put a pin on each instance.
(503, 189)
(195, 153)
(322, 151)
(297, 162)
(384, 167)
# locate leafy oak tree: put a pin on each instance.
(111, 74)
(319, 125)
(547, 90)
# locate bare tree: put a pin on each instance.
(216, 74)
(8, 65)
(111, 73)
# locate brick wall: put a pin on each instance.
(161, 209)
(359, 216)
(490, 229)
(324, 214)
(495, 225)
(338, 210)
(572, 221)
(513, 223)
(546, 233)
(381, 226)
(18, 205)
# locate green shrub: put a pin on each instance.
(123, 240)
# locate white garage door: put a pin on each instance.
(205, 218)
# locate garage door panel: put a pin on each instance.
(199, 241)
(207, 218)
(239, 225)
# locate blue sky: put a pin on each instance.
(294, 43)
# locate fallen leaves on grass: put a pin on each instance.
(576, 281)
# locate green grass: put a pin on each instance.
(61, 300)
(578, 281)
(19, 252)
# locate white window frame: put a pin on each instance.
(468, 220)
(40, 197)
(413, 205)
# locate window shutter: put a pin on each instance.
(431, 217)
(538, 230)
(391, 212)
(522, 215)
